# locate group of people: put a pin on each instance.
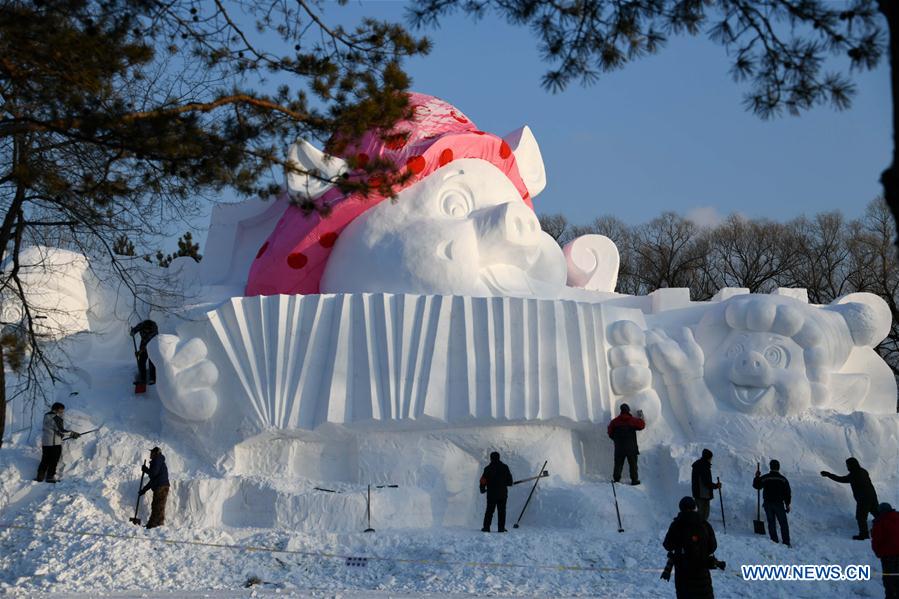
(55, 432)
(691, 542)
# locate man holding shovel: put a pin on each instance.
(52, 437)
(158, 475)
(776, 499)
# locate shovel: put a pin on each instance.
(543, 474)
(758, 525)
(136, 520)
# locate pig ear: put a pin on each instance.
(528, 158)
(317, 168)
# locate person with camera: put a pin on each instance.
(776, 499)
(495, 482)
(702, 484)
(158, 474)
(52, 436)
(862, 491)
(691, 546)
(623, 431)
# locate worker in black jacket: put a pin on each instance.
(495, 482)
(863, 492)
(702, 484)
(158, 475)
(776, 498)
(148, 330)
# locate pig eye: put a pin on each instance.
(456, 204)
(735, 350)
(776, 355)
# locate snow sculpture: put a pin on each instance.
(454, 312)
(447, 307)
(53, 280)
(770, 354)
(187, 377)
(462, 224)
(592, 263)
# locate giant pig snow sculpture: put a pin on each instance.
(448, 306)
(452, 312)
(463, 224)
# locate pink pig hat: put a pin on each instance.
(293, 258)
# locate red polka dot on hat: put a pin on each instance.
(446, 157)
(416, 164)
(328, 239)
(297, 260)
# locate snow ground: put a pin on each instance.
(43, 553)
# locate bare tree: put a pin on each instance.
(755, 254)
(667, 252)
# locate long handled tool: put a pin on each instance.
(93, 430)
(758, 525)
(139, 386)
(543, 474)
(617, 513)
(721, 498)
(368, 510)
(534, 488)
(136, 520)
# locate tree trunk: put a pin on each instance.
(2, 397)
(890, 177)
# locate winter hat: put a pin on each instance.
(852, 464)
(884, 508)
(155, 450)
(774, 465)
(625, 409)
(494, 456)
(57, 406)
(687, 504)
(707, 453)
(293, 259)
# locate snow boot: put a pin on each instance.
(485, 530)
(860, 537)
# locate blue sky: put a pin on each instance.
(668, 132)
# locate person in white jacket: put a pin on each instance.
(51, 443)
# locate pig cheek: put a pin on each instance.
(793, 391)
(444, 250)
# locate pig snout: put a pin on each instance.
(509, 234)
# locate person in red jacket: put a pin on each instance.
(885, 543)
(623, 431)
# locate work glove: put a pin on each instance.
(75, 435)
(788, 509)
(825, 473)
(141, 492)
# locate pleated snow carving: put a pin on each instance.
(301, 361)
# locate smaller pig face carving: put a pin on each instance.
(463, 230)
(759, 372)
(769, 354)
